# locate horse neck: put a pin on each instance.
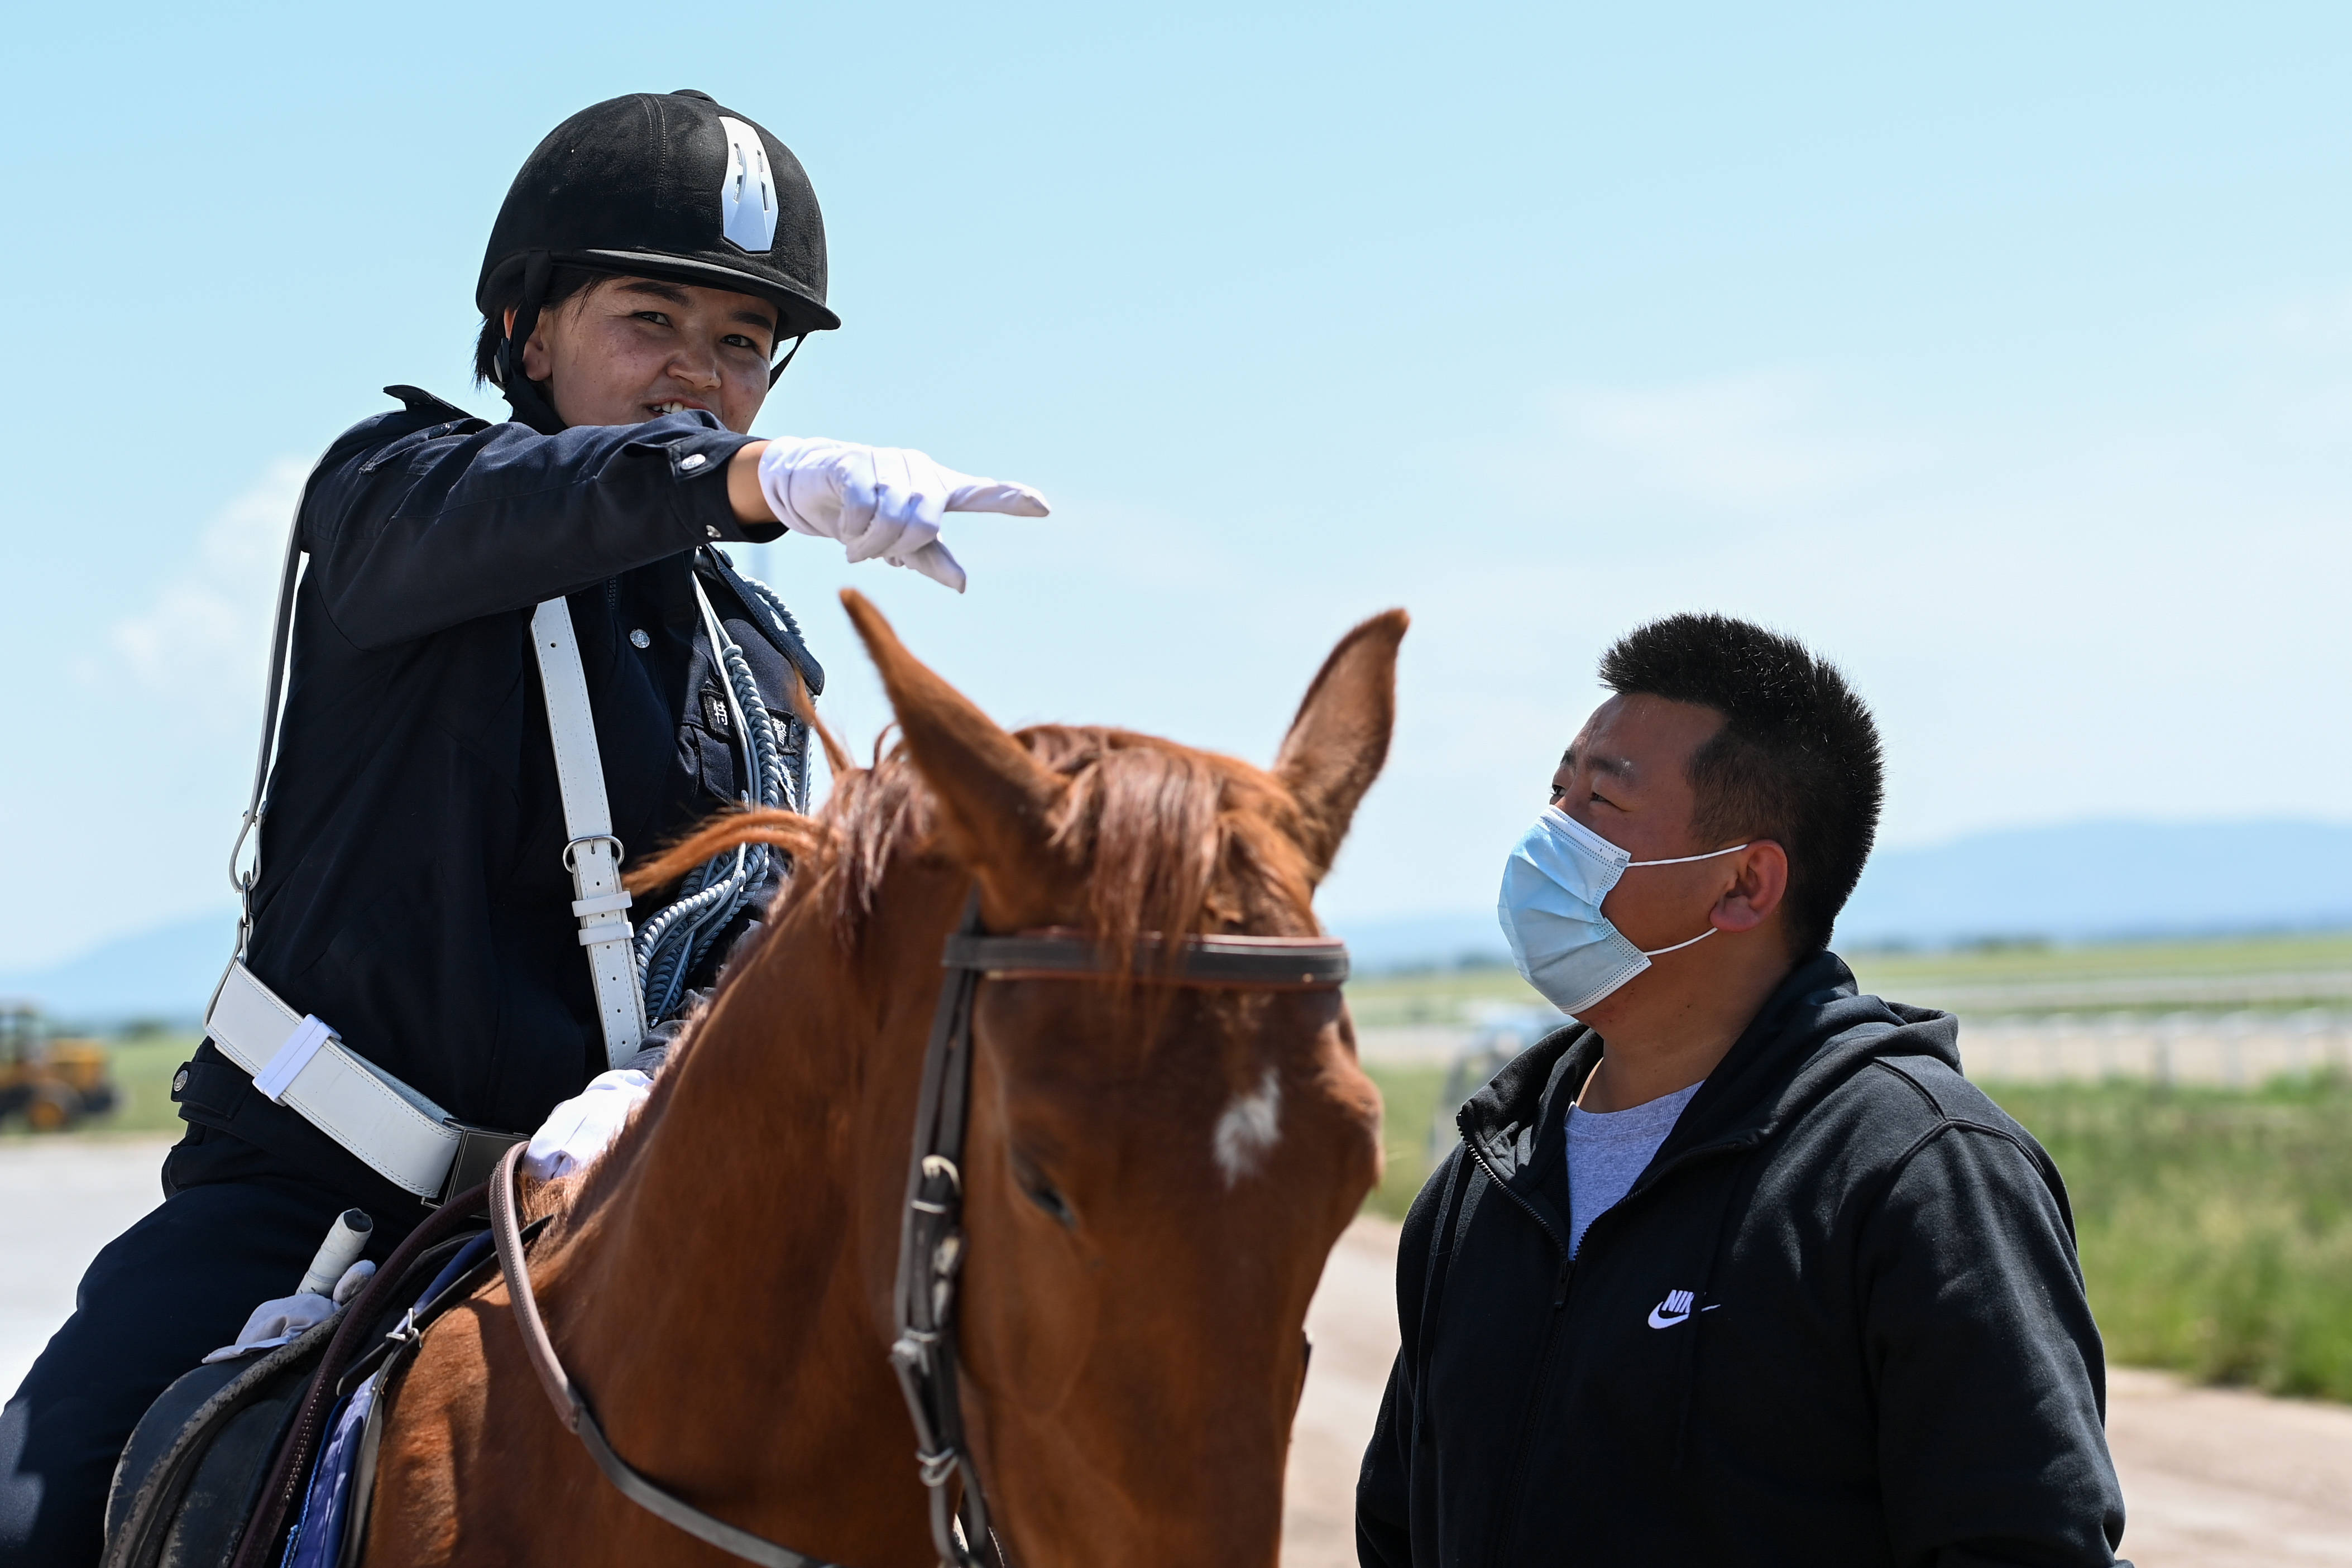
(727, 1289)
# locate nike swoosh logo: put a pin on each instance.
(1661, 1319)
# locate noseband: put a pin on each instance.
(930, 1243)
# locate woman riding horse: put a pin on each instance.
(416, 928)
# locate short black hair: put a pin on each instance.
(1797, 760)
(562, 283)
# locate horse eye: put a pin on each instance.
(1056, 1206)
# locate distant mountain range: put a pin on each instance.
(2100, 880)
(2073, 882)
(166, 975)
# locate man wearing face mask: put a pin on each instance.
(1737, 1267)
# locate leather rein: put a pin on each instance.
(930, 1247)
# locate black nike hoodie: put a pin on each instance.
(1838, 1320)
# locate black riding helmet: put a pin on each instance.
(666, 186)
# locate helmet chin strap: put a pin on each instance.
(522, 395)
(777, 373)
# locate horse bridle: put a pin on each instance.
(930, 1244)
(931, 1247)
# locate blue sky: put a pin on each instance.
(2006, 355)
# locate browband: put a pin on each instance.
(1270, 963)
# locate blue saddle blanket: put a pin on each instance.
(318, 1538)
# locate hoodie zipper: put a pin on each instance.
(1566, 1276)
(1519, 1445)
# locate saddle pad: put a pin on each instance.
(327, 1504)
(331, 1503)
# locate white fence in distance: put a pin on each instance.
(2236, 1049)
(2233, 1048)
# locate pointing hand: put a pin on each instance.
(885, 501)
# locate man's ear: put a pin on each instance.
(1759, 888)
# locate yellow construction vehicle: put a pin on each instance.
(53, 1083)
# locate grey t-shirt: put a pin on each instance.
(1608, 1152)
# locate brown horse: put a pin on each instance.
(1154, 1177)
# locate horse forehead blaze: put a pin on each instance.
(1248, 1128)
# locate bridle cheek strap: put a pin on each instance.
(930, 1247)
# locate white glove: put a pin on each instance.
(289, 1318)
(357, 1275)
(584, 1126)
(883, 501)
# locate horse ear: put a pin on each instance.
(1341, 738)
(996, 804)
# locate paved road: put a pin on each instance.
(2214, 1479)
(60, 1200)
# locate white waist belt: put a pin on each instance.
(299, 1063)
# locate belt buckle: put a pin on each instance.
(479, 1150)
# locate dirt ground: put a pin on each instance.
(2212, 1478)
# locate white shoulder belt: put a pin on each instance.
(591, 853)
(299, 1061)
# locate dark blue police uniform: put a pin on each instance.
(412, 892)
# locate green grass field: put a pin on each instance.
(2284, 971)
(2012, 963)
(2215, 1225)
(1409, 1099)
(143, 1072)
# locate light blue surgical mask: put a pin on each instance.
(1551, 908)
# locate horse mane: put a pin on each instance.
(1171, 839)
(1174, 840)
